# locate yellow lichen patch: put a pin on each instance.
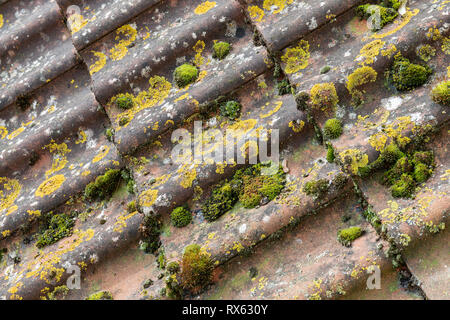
(358, 78)
(50, 185)
(85, 173)
(18, 131)
(242, 127)
(390, 51)
(156, 94)
(400, 24)
(296, 58)
(43, 266)
(370, 51)
(8, 194)
(277, 107)
(198, 48)
(446, 45)
(3, 132)
(121, 221)
(81, 137)
(76, 22)
(354, 158)
(119, 51)
(204, 7)
(256, 13)
(103, 153)
(297, 127)
(99, 64)
(59, 152)
(187, 176)
(180, 98)
(34, 214)
(1, 21)
(13, 290)
(148, 198)
(378, 141)
(279, 4)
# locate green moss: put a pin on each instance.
(325, 69)
(302, 99)
(347, 236)
(386, 14)
(173, 267)
(103, 186)
(283, 87)
(403, 165)
(58, 293)
(230, 109)
(387, 157)
(441, 93)
(324, 96)
(394, 4)
(181, 217)
(23, 101)
(406, 75)
(101, 295)
(56, 227)
(222, 199)
(150, 229)
(317, 188)
(250, 196)
(426, 52)
(196, 268)
(422, 172)
(123, 121)
(110, 134)
(131, 207)
(221, 50)
(332, 128)
(330, 153)
(404, 187)
(161, 260)
(125, 101)
(185, 74)
(425, 157)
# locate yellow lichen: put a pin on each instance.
(103, 153)
(148, 198)
(50, 185)
(99, 64)
(198, 48)
(119, 51)
(279, 4)
(3, 132)
(297, 127)
(1, 21)
(256, 13)
(8, 194)
(277, 107)
(370, 51)
(296, 58)
(204, 7)
(59, 152)
(121, 221)
(406, 18)
(76, 22)
(354, 158)
(359, 77)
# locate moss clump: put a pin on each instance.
(283, 87)
(325, 69)
(221, 50)
(426, 52)
(110, 134)
(347, 236)
(317, 188)
(422, 172)
(425, 157)
(441, 93)
(150, 229)
(358, 78)
(250, 186)
(125, 101)
(58, 293)
(56, 227)
(387, 157)
(404, 187)
(332, 128)
(131, 206)
(173, 267)
(101, 295)
(103, 186)
(23, 101)
(386, 14)
(302, 99)
(257, 187)
(324, 96)
(222, 199)
(196, 268)
(403, 165)
(394, 4)
(124, 121)
(185, 74)
(230, 109)
(406, 75)
(181, 217)
(330, 153)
